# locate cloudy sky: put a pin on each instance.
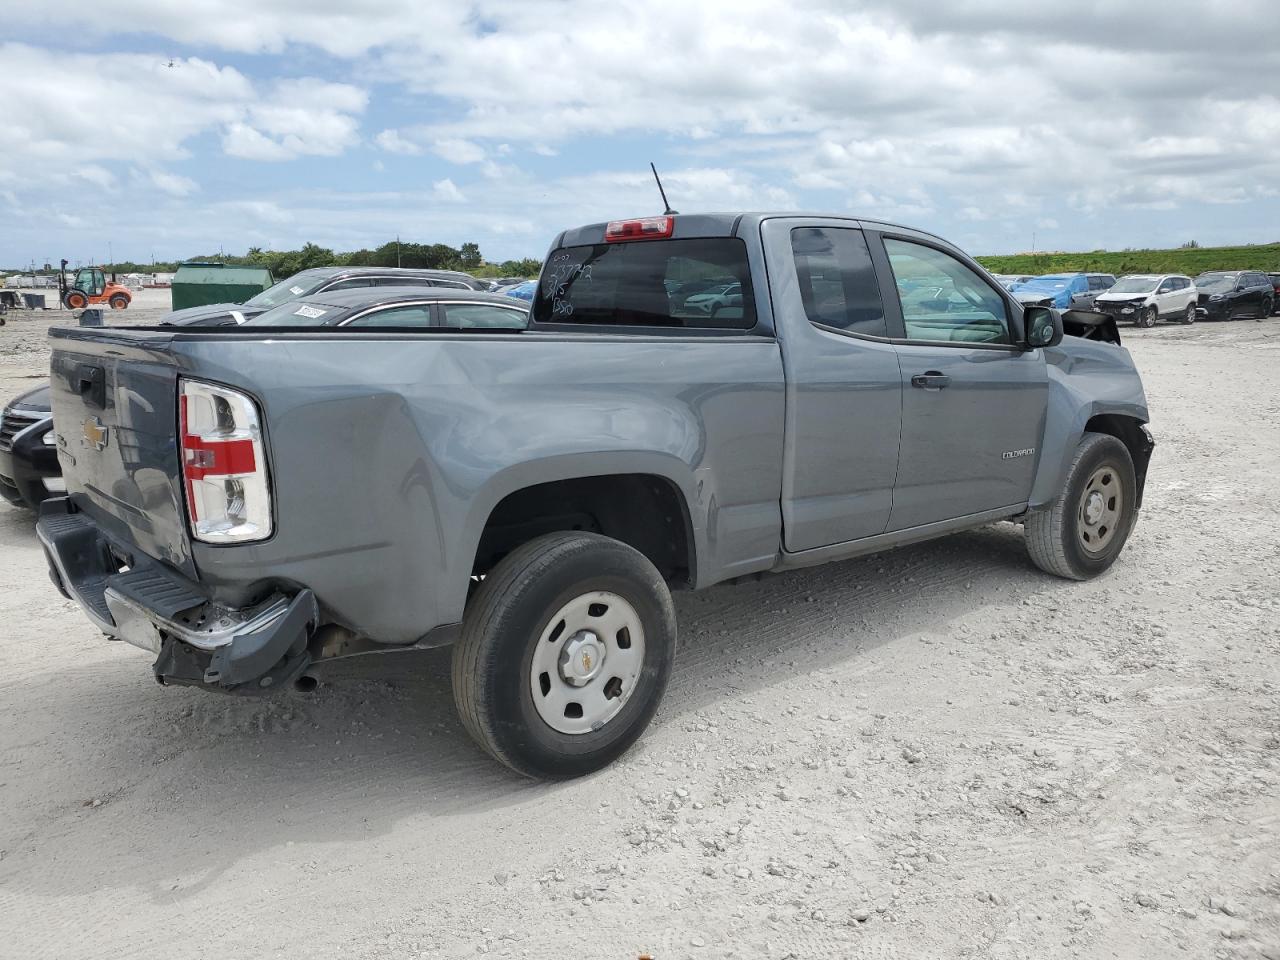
(168, 129)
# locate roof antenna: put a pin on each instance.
(668, 212)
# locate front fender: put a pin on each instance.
(1086, 379)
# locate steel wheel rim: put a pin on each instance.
(587, 662)
(1099, 512)
(1191, 313)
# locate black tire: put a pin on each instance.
(1055, 536)
(76, 300)
(1266, 310)
(1148, 317)
(505, 619)
(1189, 317)
(119, 302)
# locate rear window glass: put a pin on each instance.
(702, 282)
(296, 314)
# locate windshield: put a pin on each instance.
(1216, 282)
(295, 314)
(1135, 285)
(653, 283)
(299, 285)
(1045, 283)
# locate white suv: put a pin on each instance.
(1146, 298)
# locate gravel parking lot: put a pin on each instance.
(937, 752)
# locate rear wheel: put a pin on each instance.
(119, 302)
(565, 653)
(1085, 528)
(1266, 309)
(1190, 315)
(77, 300)
(1148, 317)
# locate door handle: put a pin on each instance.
(933, 380)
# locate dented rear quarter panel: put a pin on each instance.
(388, 455)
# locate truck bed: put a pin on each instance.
(388, 450)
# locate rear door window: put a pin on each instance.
(417, 315)
(837, 281)
(350, 283)
(403, 282)
(469, 316)
(702, 282)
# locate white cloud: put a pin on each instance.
(447, 190)
(392, 142)
(457, 150)
(173, 184)
(300, 117)
(82, 113)
(96, 175)
(247, 143)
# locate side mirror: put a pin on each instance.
(1043, 326)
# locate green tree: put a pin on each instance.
(469, 256)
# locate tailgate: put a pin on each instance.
(114, 398)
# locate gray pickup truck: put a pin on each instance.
(246, 502)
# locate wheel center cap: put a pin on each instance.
(581, 658)
(1093, 507)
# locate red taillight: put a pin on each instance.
(223, 467)
(647, 228)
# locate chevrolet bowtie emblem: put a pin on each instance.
(95, 434)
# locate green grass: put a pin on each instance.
(1265, 257)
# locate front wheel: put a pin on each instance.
(565, 653)
(1083, 531)
(1148, 317)
(77, 300)
(1190, 315)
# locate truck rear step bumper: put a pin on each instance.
(196, 641)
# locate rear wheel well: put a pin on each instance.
(644, 511)
(1128, 430)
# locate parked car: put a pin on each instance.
(1275, 287)
(521, 291)
(1010, 280)
(501, 283)
(398, 307)
(1065, 291)
(535, 498)
(719, 297)
(1146, 298)
(29, 471)
(323, 280)
(1229, 295)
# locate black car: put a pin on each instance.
(399, 308)
(1227, 295)
(29, 471)
(1275, 286)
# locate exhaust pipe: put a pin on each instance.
(305, 683)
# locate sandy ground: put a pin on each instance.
(937, 752)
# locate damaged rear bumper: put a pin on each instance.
(197, 641)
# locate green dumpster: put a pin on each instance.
(198, 284)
